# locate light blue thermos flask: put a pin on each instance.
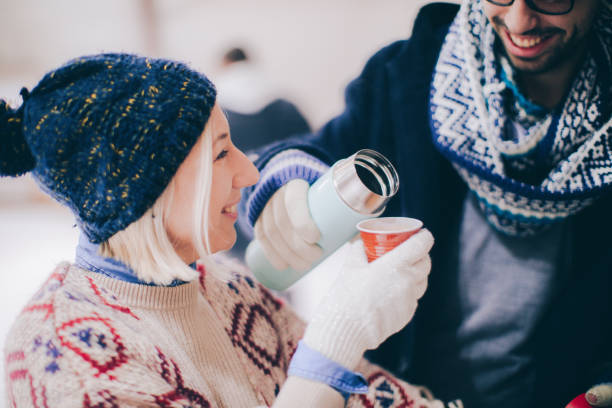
(353, 189)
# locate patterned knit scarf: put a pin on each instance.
(527, 166)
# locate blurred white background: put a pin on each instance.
(307, 49)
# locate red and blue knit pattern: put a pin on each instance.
(77, 345)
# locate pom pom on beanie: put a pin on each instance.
(15, 155)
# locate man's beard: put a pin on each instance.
(552, 60)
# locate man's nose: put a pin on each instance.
(520, 18)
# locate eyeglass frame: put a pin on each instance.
(531, 5)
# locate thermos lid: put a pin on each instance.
(365, 181)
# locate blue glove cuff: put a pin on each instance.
(281, 169)
(310, 364)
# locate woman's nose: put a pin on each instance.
(247, 174)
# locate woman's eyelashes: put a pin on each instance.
(221, 154)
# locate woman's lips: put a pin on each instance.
(527, 46)
(231, 211)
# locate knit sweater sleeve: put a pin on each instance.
(383, 390)
(283, 167)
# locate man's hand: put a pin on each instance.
(286, 231)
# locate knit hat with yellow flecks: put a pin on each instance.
(104, 134)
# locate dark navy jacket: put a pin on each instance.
(387, 110)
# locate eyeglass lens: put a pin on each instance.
(542, 6)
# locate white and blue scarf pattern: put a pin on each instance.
(471, 110)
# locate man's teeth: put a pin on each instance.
(526, 42)
(231, 209)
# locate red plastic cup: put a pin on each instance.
(380, 235)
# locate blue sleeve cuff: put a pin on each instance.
(282, 168)
(310, 364)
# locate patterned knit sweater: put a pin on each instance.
(86, 340)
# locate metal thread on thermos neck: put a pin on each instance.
(365, 181)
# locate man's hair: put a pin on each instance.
(145, 245)
(235, 55)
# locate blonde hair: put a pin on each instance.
(145, 245)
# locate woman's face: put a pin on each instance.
(231, 172)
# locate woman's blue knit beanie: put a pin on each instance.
(105, 134)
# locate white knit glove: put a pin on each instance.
(370, 301)
(286, 231)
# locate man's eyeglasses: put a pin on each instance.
(551, 7)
